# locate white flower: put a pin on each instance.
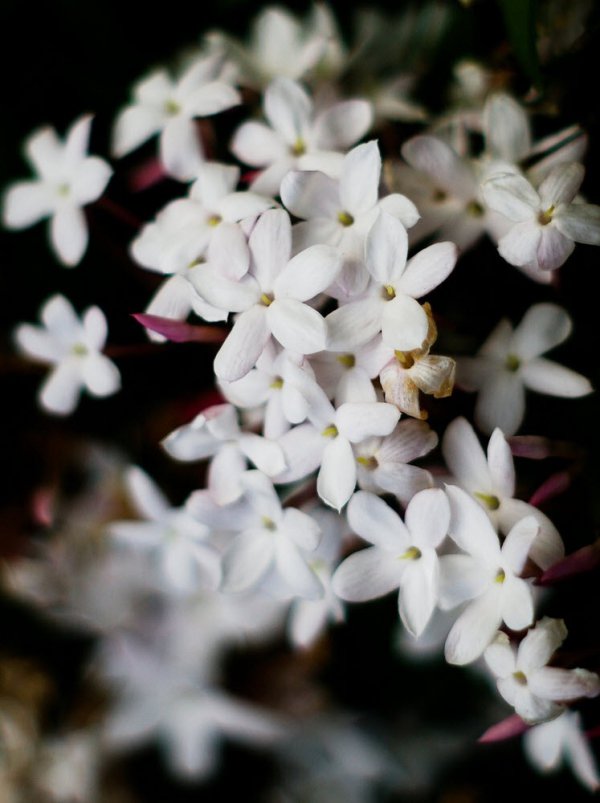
(535, 690)
(216, 433)
(403, 556)
(548, 744)
(491, 481)
(296, 138)
(171, 535)
(509, 362)
(389, 305)
(547, 221)
(73, 347)
(163, 105)
(347, 376)
(271, 297)
(67, 180)
(488, 575)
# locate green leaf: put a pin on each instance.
(520, 18)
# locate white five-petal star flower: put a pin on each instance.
(403, 555)
(68, 179)
(510, 361)
(73, 347)
(526, 682)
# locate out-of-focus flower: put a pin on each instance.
(68, 179)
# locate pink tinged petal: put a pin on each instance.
(549, 377)
(302, 449)
(506, 729)
(461, 578)
(386, 249)
(69, 234)
(354, 324)
(134, 126)
(270, 246)
(149, 500)
(428, 518)
(555, 485)
(376, 522)
(337, 476)
(27, 202)
(341, 125)
(180, 149)
(506, 126)
(411, 439)
(586, 559)
(399, 206)
(501, 403)
(517, 544)
(225, 474)
(561, 184)
(301, 528)
(243, 346)
(474, 629)
(437, 159)
(221, 421)
(579, 222)
(543, 327)
(258, 145)
(501, 656)
(511, 195)
(516, 606)
(554, 249)
(308, 273)
(368, 574)
(552, 683)
(60, 391)
(520, 245)
(465, 457)
(402, 480)
(247, 560)
(179, 332)
(359, 182)
(547, 547)
(359, 420)
(540, 644)
(419, 592)
(311, 194)
(100, 376)
(501, 464)
(297, 326)
(471, 528)
(38, 344)
(288, 108)
(293, 569)
(427, 269)
(266, 455)
(212, 98)
(90, 180)
(404, 323)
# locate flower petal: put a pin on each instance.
(540, 644)
(404, 323)
(308, 273)
(359, 420)
(297, 326)
(376, 522)
(549, 377)
(359, 181)
(310, 194)
(474, 629)
(428, 518)
(427, 269)
(367, 574)
(579, 222)
(69, 234)
(243, 345)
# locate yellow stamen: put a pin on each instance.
(512, 363)
(412, 553)
(345, 218)
(347, 360)
(266, 300)
(277, 383)
(500, 576)
(368, 462)
(330, 432)
(405, 358)
(489, 500)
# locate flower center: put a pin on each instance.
(347, 360)
(439, 196)
(412, 553)
(345, 218)
(405, 359)
(330, 432)
(79, 350)
(388, 292)
(266, 299)
(277, 383)
(475, 209)
(489, 500)
(369, 463)
(299, 147)
(63, 190)
(545, 217)
(172, 107)
(512, 363)
(268, 523)
(520, 677)
(500, 576)
(214, 220)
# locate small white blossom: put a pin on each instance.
(68, 179)
(510, 361)
(536, 690)
(73, 347)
